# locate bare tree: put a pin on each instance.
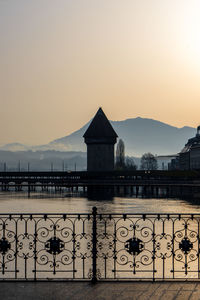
(130, 164)
(120, 155)
(148, 162)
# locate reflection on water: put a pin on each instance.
(62, 203)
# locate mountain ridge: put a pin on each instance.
(139, 134)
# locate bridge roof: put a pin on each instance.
(100, 127)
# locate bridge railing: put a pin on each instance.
(99, 246)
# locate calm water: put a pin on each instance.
(59, 203)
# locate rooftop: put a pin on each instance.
(100, 127)
(192, 142)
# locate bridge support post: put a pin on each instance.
(157, 192)
(144, 191)
(125, 190)
(152, 190)
(167, 191)
(131, 190)
(137, 191)
(118, 189)
(29, 192)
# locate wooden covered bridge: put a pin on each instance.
(173, 183)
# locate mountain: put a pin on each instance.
(15, 147)
(140, 135)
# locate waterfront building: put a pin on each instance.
(100, 138)
(189, 157)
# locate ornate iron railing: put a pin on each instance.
(99, 246)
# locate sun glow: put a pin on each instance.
(133, 58)
(190, 33)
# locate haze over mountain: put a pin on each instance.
(139, 134)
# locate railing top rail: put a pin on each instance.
(45, 214)
(103, 214)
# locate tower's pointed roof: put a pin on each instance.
(100, 127)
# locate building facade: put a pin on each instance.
(100, 138)
(189, 157)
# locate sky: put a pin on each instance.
(61, 60)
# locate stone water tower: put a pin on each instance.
(100, 138)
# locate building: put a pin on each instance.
(189, 157)
(174, 164)
(100, 138)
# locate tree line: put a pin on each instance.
(148, 160)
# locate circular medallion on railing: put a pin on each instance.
(134, 246)
(54, 245)
(4, 245)
(185, 245)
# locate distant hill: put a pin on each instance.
(14, 147)
(139, 134)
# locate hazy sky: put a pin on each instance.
(62, 59)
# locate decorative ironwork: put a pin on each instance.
(99, 246)
(54, 245)
(4, 246)
(185, 245)
(134, 246)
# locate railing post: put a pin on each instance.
(94, 245)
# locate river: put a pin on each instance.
(18, 202)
